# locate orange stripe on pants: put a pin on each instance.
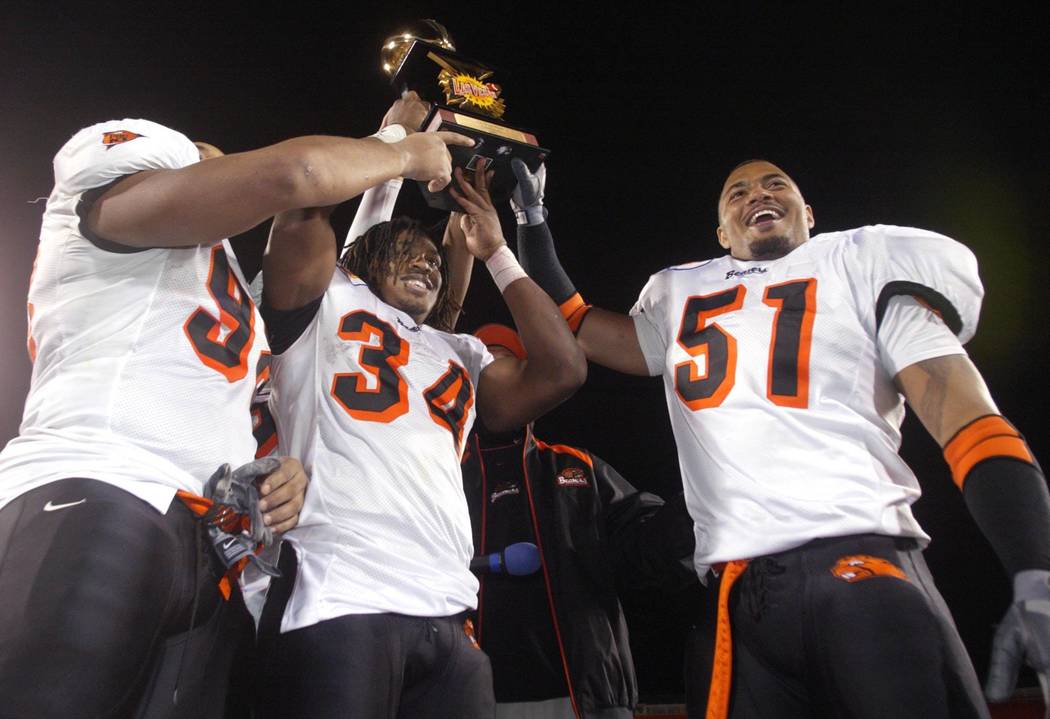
(722, 671)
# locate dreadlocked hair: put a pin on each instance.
(384, 247)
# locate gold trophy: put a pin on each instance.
(464, 99)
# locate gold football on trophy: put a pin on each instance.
(396, 46)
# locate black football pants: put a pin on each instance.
(849, 627)
(369, 666)
(98, 592)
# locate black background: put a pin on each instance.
(928, 115)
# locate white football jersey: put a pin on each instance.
(786, 420)
(378, 408)
(145, 362)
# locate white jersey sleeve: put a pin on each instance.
(936, 269)
(651, 323)
(102, 153)
(911, 332)
(377, 205)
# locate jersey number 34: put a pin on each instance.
(382, 355)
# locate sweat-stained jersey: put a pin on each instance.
(786, 420)
(145, 362)
(378, 408)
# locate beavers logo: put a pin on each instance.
(857, 567)
(572, 477)
(111, 139)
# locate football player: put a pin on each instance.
(786, 364)
(146, 349)
(378, 403)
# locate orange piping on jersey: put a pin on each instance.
(394, 362)
(701, 350)
(574, 310)
(928, 306)
(722, 670)
(800, 399)
(30, 341)
(984, 438)
(543, 557)
(565, 449)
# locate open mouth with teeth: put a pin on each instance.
(764, 217)
(417, 283)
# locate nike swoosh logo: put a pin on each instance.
(55, 507)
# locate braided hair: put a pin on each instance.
(384, 247)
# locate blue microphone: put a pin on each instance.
(517, 560)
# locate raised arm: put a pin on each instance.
(513, 392)
(608, 338)
(460, 261)
(214, 199)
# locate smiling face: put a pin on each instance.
(413, 280)
(761, 213)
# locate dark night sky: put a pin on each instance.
(933, 117)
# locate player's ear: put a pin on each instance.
(723, 239)
(810, 222)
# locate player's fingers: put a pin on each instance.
(1005, 660)
(455, 138)
(468, 190)
(440, 182)
(481, 182)
(283, 514)
(291, 494)
(468, 206)
(286, 525)
(286, 484)
(1044, 685)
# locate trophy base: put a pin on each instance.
(495, 145)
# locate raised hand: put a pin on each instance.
(426, 157)
(480, 222)
(409, 111)
(527, 198)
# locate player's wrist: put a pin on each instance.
(1031, 584)
(530, 216)
(392, 133)
(504, 267)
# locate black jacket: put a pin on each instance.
(597, 536)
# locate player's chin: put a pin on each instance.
(770, 248)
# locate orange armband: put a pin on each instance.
(574, 310)
(984, 438)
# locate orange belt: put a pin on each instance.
(722, 671)
(228, 521)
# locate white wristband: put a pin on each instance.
(504, 267)
(391, 133)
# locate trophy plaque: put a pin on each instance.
(463, 99)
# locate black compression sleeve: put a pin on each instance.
(1009, 501)
(284, 327)
(540, 260)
